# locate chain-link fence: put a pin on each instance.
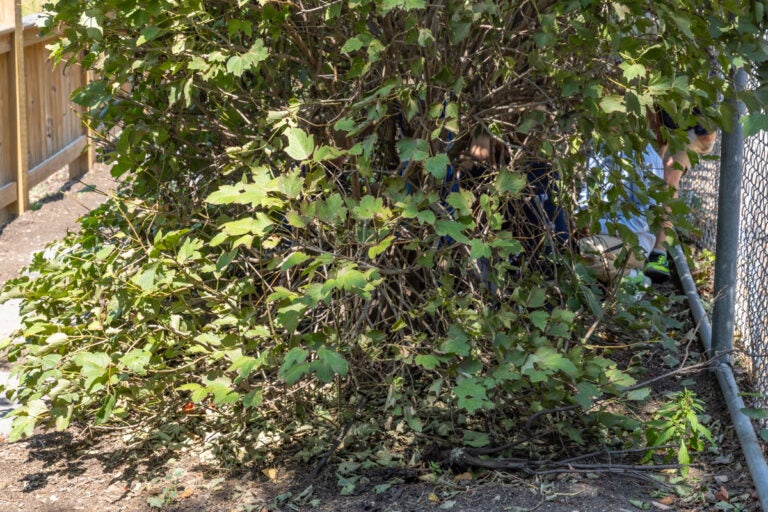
(700, 189)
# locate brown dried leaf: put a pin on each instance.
(463, 477)
(721, 494)
(186, 493)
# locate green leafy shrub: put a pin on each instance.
(677, 423)
(289, 249)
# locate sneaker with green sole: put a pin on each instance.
(657, 267)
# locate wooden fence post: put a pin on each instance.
(10, 12)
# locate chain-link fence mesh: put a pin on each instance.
(700, 189)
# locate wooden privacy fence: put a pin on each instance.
(40, 130)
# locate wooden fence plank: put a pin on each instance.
(8, 194)
(7, 174)
(66, 155)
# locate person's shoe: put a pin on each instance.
(657, 267)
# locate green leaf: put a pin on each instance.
(683, 457)
(457, 342)
(105, 411)
(479, 249)
(237, 65)
(345, 124)
(639, 394)
(380, 247)
(136, 360)
(754, 124)
(548, 358)
(613, 103)
(22, 426)
(147, 34)
(586, 392)
(460, 28)
(296, 258)
(324, 153)
(296, 220)
(369, 207)
(414, 4)
(537, 298)
(632, 71)
(462, 201)
(427, 361)
(189, 250)
(146, 279)
(291, 184)
(253, 399)
(755, 413)
(437, 165)
(256, 54)
(413, 149)
(539, 319)
(328, 364)
(222, 391)
(453, 229)
(258, 225)
(544, 39)
(294, 365)
(476, 439)
(352, 44)
(683, 24)
(227, 194)
(93, 364)
(56, 339)
(426, 217)
(244, 365)
(511, 182)
(300, 145)
(472, 395)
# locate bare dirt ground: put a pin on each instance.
(78, 470)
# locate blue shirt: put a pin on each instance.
(647, 164)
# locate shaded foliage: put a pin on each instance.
(295, 244)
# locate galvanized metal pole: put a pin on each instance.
(728, 211)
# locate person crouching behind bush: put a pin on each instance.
(607, 252)
(700, 141)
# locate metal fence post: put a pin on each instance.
(729, 208)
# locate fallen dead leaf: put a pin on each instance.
(667, 500)
(721, 494)
(433, 498)
(463, 477)
(186, 493)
